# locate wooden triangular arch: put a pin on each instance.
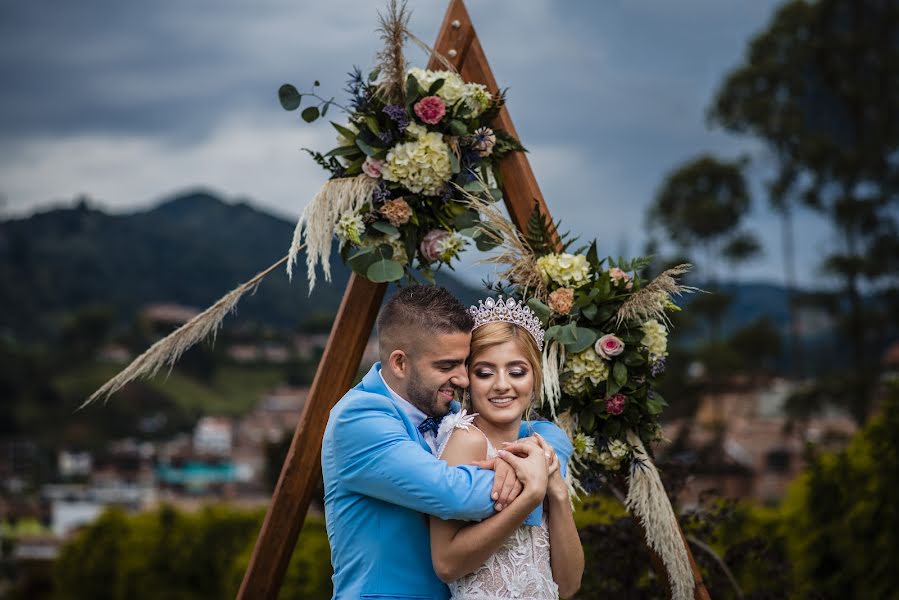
(458, 42)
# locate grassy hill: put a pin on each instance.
(190, 250)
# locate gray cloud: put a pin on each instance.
(126, 102)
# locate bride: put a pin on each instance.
(500, 557)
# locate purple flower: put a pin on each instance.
(398, 114)
(657, 366)
(380, 193)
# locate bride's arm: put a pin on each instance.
(459, 548)
(565, 550)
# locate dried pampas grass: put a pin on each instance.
(647, 500)
(517, 256)
(432, 54)
(169, 349)
(646, 304)
(393, 29)
(315, 229)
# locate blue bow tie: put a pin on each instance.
(430, 424)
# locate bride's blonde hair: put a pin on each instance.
(500, 332)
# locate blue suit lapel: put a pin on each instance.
(373, 383)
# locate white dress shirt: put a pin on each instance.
(416, 415)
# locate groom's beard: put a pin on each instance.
(425, 398)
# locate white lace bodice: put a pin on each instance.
(521, 567)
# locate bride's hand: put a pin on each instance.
(532, 470)
(556, 485)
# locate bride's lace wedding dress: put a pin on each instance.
(521, 567)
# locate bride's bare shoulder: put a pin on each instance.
(464, 446)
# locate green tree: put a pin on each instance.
(820, 87)
(840, 518)
(701, 204)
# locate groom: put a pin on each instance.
(381, 475)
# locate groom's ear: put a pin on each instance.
(398, 363)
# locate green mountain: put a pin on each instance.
(190, 250)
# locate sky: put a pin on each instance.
(128, 103)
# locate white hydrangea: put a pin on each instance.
(415, 131)
(655, 337)
(422, 165)
(612, 456)
(586, 365)
(567, 270)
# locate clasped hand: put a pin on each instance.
(529, 466)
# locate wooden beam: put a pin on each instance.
(336, 373)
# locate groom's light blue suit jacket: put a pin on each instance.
(381, 482)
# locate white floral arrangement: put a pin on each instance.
(410, 141)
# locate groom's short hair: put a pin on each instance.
(420, 310)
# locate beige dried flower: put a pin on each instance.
(561, 300)
(397, 212)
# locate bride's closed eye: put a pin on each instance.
(484, 373)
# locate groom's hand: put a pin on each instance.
(506, 486)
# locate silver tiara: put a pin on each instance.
(508, 311)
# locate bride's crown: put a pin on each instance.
(508, 311)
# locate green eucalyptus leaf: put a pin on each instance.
(384, 270)
(362, 260)
(484, 243)
(289, 97)
(466, 219)
(583, 339)
(542, 311)
(435, 87)
(589, 311)
(552, 333)
(568, 334)
(310, 114)
(387, 228)
(374, 74)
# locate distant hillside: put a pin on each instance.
(191, 250)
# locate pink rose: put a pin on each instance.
(372, 167)
(615, 404)
(430, 109)
(608, 346)
(430, 245)
(618, 276)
